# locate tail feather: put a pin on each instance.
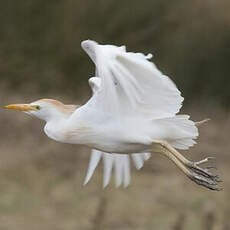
(183, 143)
(183, 131)
(191, 128)
(121, 164)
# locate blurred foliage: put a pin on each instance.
(190, 40)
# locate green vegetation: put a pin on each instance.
(190, 40)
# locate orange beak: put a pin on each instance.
(21, 107)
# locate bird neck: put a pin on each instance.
(57, 118)
(55, 115)
(55, 127)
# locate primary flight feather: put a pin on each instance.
(132, 111)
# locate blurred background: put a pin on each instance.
(40, 57)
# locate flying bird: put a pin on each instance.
(133, 112)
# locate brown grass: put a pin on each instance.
(41, 183)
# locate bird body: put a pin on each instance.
(103, 132)
(100, 132)
(133, 110)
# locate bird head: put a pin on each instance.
(45, 109)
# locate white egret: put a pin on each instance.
(133, 110)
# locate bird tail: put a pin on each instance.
(189, 129)
(120, 163)
(183, 131)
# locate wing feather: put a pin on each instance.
(118, 170)
(126, 170)
(94, 160)
(108, 164)
(132, 85)
(121, 164)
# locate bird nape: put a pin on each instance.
(132, 112)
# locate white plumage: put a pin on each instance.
(127, 84)
(119, 162)
(133, 111)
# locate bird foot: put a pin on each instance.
(203, 176)
(204, 160)
(210, 184)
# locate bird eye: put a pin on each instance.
(37, 107)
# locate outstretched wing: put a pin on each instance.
(120, 162)
(131, 84)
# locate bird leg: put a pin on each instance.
(197, 174)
